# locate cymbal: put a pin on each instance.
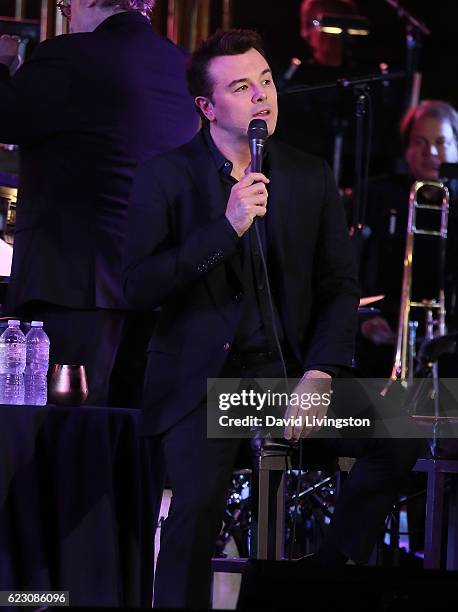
(365, 301)
(367, 312)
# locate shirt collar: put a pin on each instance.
(121, 19)
(224, 165)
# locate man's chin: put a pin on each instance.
(429, 175)
(271, 125)
(271, 128)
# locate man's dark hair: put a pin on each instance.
(230, 42)
(437, 109)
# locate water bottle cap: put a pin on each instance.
(36, 324)
(13, 322)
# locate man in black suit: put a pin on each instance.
(190, 249)
(86, 108)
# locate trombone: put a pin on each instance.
(433, 307)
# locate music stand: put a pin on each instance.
(360, 87)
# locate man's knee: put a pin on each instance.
(400, 455)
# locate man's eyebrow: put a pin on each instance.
(243, 79)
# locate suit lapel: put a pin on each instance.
(205, 177)
(279, 201)
(210, 193)
(279, 214)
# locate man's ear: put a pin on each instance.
(205, 105)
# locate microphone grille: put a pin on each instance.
(257, 129)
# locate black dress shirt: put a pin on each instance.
(255, 332)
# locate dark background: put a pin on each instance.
(278, 22)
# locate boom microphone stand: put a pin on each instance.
(416, 30)
(361, 87)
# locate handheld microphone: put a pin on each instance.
(257, 135)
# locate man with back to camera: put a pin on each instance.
(85, 109)
(190, 250)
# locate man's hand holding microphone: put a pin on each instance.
(248, 200)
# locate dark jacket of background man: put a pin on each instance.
(86, 109)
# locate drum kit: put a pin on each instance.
(307, 519)
(310, 495)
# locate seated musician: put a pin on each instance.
(313, 120)
(429, 134)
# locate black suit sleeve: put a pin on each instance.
(35, 101)
(158, 264)
(335, 288)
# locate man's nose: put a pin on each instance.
(259, 95)
(432, 149)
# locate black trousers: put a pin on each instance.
(199, 470)
(82, 337)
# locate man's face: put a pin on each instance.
(431, 142)
(243, 89)
(327, 48)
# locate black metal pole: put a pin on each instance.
(358, 204)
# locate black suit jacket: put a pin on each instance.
(182, 254)
(86, 109)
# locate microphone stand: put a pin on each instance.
(416, 30)
(361, 176)
(361, 90)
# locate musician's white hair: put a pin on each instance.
(142, 6)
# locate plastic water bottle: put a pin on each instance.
(36, 385)
(12, 364)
